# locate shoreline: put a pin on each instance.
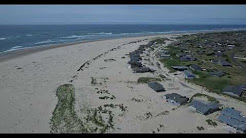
(4, 56)
(105, 83)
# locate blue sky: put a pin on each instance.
(123, 14)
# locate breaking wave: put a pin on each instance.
(14, 48)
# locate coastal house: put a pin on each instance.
(201, 52)
(179, 55)
(221, 62)
(235, 90)
(156, 86)
(135, 64)
(216, 73)
(164, 54)
(209, 53)
(204, 108)
(150, 44)
(176, 99)
(224, 63)
(142, 70)
(187, 58)
(215, 61)
(195, 67)
(180, 68)
(230, 47)
(233, 118)
(188, 74)
(135, 57)
(219, 54)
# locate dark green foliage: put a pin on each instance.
(210, 122)
(210, 99)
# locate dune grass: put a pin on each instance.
(65, 119)
(209, 98)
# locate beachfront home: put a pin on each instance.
(195, 67)
(219, 54)
(142, 69)
(179, 55)
(176, 99)
(204, 108)
(180, 68)
(150, 43)
(188, 74)
(135, 64)
(187, 58)
(156, 86)
(216, 73)
(215, 61)
(135, 57)
(230, 47)
(164, 54)
(224, 63)
(235, 90)
(233, 118)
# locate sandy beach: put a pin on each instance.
(29, 83)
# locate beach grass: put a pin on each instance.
(211, 122)
(65, 119)
(209, 98)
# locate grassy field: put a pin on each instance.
(215, 84)
(209, 98)
(174, 60)
(197, 43)
(65, 119)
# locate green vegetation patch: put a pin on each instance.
(64, 119)
(200, 128)
(210, 122)
(160, 40)
(162, 76)
(214, 84)
(93, 81)
(147, 79)
(209, 98)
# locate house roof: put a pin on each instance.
(156, 86)
(237, 90)
(227, 120)
(135, 64)
(164, 52)
(187, 58)
(177, 98)
(215, 60)
(180, 67)
(204, 108)
(150, 43)
(233, 118)
(224, 63)
(195, 67)
(141, 69)
(217, 73)
(188, 73)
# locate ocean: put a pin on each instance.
(15, 37)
